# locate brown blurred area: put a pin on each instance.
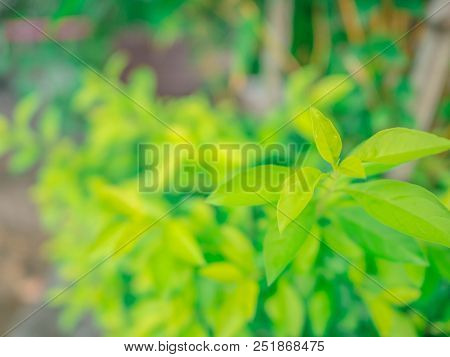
(23, 271)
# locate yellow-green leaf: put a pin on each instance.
(303, 122)
(49, 125)
(116, 65)
(237, 248)
(337, 240)
(379, 239)
(408, 208)
(352, 166)
(330, 89)
(4, 134)
(247, 292)
(405, 294)
(25, 110)
(388, 321)
(286, 310)
(281, 248)
(24, 158)
(298, 189)
(237, 308)
(393, 275)
(254, 186)
(307, 253)
(398, 145)
(222, 271)
(375, 168)
(319, 310)
(183, 245)
(326, 137)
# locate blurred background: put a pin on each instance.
(215, 70)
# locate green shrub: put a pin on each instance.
(341, 255)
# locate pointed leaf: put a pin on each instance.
(326, 137)
(237, 248)
(183, 245)
(388, 321)
(394, 274)
(319, 310)
(254, 186)
(25, 109)
(338, 241)
(398, 145)
(298, 190)
(405, 207)
(49, 124)
(238, 307)
(307, 254)
(281, 248)
(247, 292)
(286, 310)
(379, 239)
(330, 89)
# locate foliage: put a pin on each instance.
(336, 250)
(235, 32)
(204, 269)
(407, 208)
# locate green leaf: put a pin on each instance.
(394, 275)
(49, 125)
(406, 294)
(439, 257)
(307, 254)
(405, 207)
(337, 240)
(25, 110)
(388, 321)
(352, 166)
(303, 123)
(374, 168)
(330, 89)
(415, 7)
(326, 137)
(221, 271)
(116, 65)
(25, 157)
(319, 310)
(286, 310)
(142, 84)
(237, 248)
(182, 244)
(237, 308)
(5, 137)
(254, 186)
(298, 189)
(398, 145)
(247, 292)
(281, 248)
(379, 239)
